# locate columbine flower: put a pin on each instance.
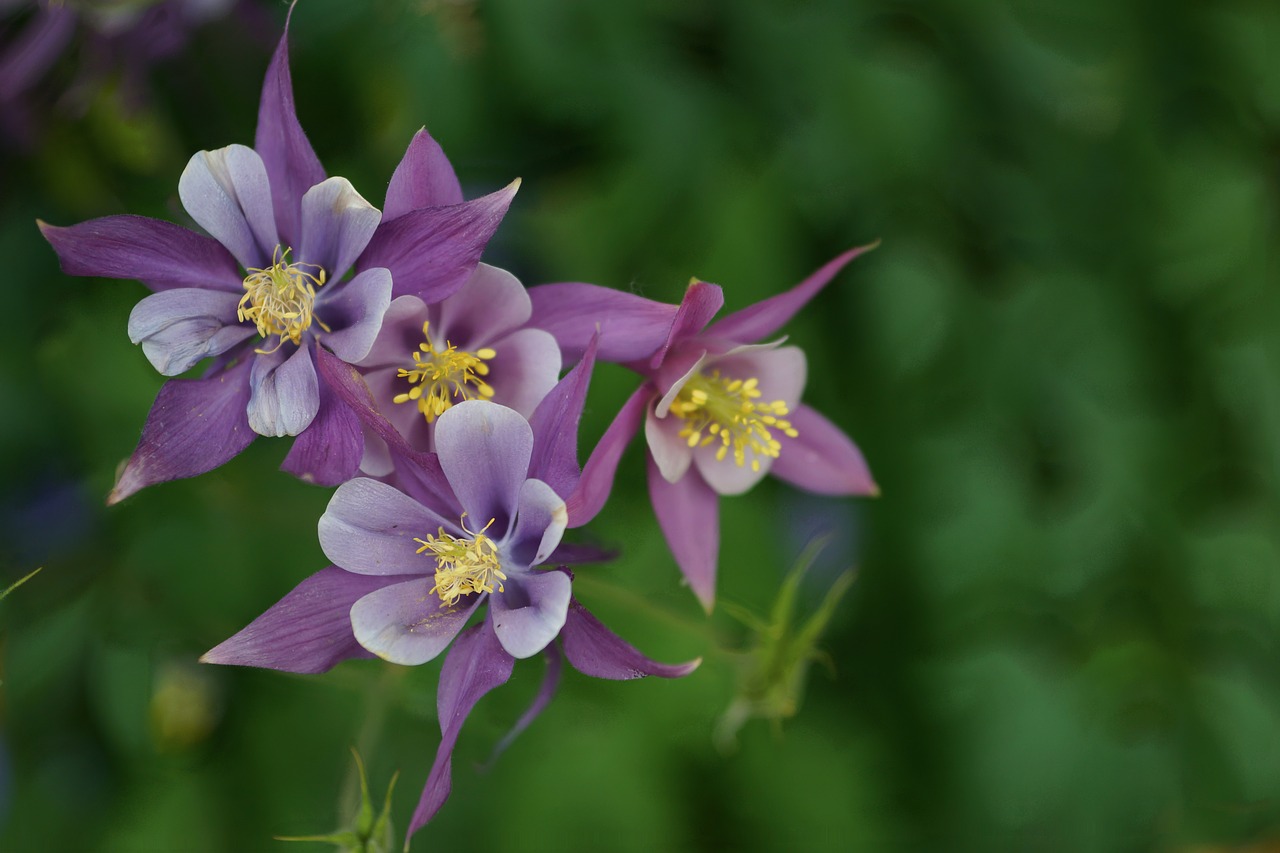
(472, 346)
(469, 523)
(719, 410)
(266, 297)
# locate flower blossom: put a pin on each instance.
(266, 295)
(720, 410)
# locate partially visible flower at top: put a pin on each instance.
(267, 297)
(719, 410)
(474, 345)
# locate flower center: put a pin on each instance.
(442, 377)
(463, 566)
(280, 299)
(716, 408)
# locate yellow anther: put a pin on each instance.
(463, 566)
(442, 377)
(729, 412)
(280, 299)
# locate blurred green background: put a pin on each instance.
(1062, 365)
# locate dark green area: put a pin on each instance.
(1063, 365)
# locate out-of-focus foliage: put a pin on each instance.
(1063, 364)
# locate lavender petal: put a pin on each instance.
(631, 327)
(491, 304)
(226, 191)
(822, 458)
(369, 528)
(285, 393)
(688, 512)
(594, 650)
(555, 427)
(355, 310)
(540, 522)
(408, 624)
(668, 450)
(328, 451)
(484, 450)
(530, 611)
(336, 225)
(178, 328)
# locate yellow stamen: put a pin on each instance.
(442, 377)
(280, 299)
(463, 566)
(728, 412)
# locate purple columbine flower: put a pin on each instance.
(474, 345)
(266, 296)
(719, 409)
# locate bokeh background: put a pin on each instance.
(1062, 365)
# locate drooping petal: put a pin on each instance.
(408, 624)
(492, 303)
(159, 254)
(291, 163)
(285, 393)
(540, 522)
(667, 448)
(594, 650)
(309, 630)
(177, 328)
(484, 450)
(337, 223)
(328, 451)
(555, 427)
(432, 251)
(525, 369)
(631, 327)
(194, 426)
(475, 665)
(369, 528)
(546, 692)
(700, 303)
(596, 482)
(227, 192)
(423, 178)
(822, 458)
(399, 336)
(688, 512)
(767, 316)
(355, 310)
(530, 610)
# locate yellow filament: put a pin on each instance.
(463, 566)
(442, 377)
(280, 299)
(728, 412)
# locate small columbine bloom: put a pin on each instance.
(719, 409)
(267, 295)
(474, 345)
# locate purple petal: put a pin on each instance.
(309, 630)
(822, 458)
(555, 427)
(525, 369)
(766, 317)
(530, 611)
(540, 522)
(424, 178)
(292, 165)
(399, 336)
(596, 482)
(669, 451)
(337, 223)
(407, 623)
(484, 450)
(31, 53)
(159, 254)
(546, 692)
(475, 665)
(492, 303)
(355, 312)
(178, 328)
(226, 191)
(688, 512)
(700, 303)
(369, 528)
(580, 552)
(594, 650)
(285, 393)
(328, 451)
(194, 426)
(431, 252)
(631, 327)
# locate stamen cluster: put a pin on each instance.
(280, 299)
(442, 377)
(717, 408)
(463, 566)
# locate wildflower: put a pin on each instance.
(719, 409)
(266, 297)
(474, 345)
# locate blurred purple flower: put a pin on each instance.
(284, 238)
(719, 409)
